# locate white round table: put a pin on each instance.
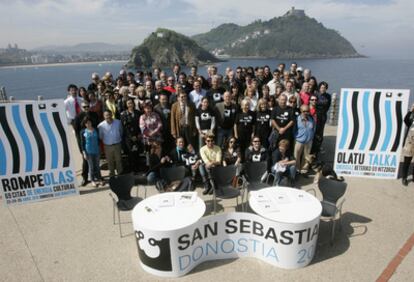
(155, 219)
(286, 205)
(295, 211)
(168, 211)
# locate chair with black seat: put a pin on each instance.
(252, 176)
(141, 181)
(222, 176)
(332, 200)
(173, 173)
(121, 186)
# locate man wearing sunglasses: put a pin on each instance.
(211, 156)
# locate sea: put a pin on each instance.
(29, 82)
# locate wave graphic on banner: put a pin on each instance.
(380, 120)
(47, 130)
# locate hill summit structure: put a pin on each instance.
(293, 35)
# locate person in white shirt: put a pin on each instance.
(290, 91)
(72, 103)
(274, 82)
(197, 94)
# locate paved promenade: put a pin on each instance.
(74, 239)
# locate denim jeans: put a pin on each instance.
(222, 135)
(290, 173)
(152, 177)
(93, 163)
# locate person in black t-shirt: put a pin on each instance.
(231, 153)
(193, 162)
(263, 122)
(256, 152)
(215, 93)
(226, 114)
(205, 120)
(244, 126)
(283, 120)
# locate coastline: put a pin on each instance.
(228, 57)
(61, 64)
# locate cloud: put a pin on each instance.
(379, 26)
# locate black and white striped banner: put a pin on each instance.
(35, 159)
(370, 132)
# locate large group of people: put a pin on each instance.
(244, 115)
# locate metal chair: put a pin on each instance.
(222, 177)
(332, 201)
(172, 173)
(252, 177)
(121, 186)
(141, 180)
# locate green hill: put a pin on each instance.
(293, 35)
(166, 47)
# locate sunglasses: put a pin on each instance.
(85, 107)
(208, 141)
(305, 111)
(313, 100)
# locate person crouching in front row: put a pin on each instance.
(211, 156)
(284, 164)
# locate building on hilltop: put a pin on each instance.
(295, 12)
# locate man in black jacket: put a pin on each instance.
(132, 134)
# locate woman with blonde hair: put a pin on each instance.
(244, 126)
(250, 94)
(140, 98)
(263, 122)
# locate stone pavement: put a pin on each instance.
(74, 239)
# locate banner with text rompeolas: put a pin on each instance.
(35, 158)
(370, 132)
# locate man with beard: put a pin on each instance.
(215, 93)
(226, 114)
(155, 96)
(282, 121)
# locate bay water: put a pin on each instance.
(28, 82)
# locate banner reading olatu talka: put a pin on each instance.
(370, 132)
(35, 158)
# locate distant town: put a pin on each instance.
(13, 55)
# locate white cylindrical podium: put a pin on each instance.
(297, 213)
(155, 219)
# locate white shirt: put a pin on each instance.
(197, 96)
(288, 95)
(253, 103)
(70, 107)
(272, 86)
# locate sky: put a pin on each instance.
(377, 28)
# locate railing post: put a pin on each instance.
(3, 95)
(333, 115)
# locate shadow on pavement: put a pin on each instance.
(353, 225)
